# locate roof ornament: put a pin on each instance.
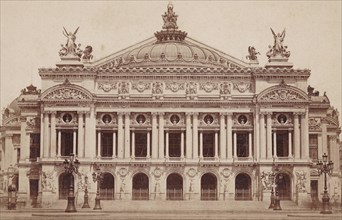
(170, 30)
(170, 18)
(252, 57)
(278, 50)
(70, 48)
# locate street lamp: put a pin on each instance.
(71, 166)
(272, 175)
(326, 168)
(278, 180)
(85, 203)
(98, 178)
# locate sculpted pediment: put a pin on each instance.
(283, 93)
(67, 92)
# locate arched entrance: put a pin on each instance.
(107, 187)
(243, 189)
(64, 184)
(284, 186)
(208, 187)
(140, 187)
(174, 187)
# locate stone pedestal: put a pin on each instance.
(70, 60)
(278, 62)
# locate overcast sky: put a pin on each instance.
(31, 33)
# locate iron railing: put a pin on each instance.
(208, 194)
(174, 194)
(140, 194)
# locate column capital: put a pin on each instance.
(195, 114)
(188, 113)
(127, 114)
(161, 113)
(299, 114)
(154, 114)
(230, 114)
(222, 114)
(81, 112)
(262, 113)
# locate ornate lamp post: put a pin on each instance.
(85, 203)
(71, 166)
(272, 175)
(98, 178)
(326, 168)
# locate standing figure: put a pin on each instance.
(70, 45)
(278, 41)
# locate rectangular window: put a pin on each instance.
(174, 144)
(106, 144)
(208, 144)
(140, 144)
(242, 144)
(34, 146)
(67, 142)
(313, 146)
(282, 143)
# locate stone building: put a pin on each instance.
(170, 118)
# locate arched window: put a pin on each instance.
(208, 187)
(140, 185)
(174, 185)
(243, 189)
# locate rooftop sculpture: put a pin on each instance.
(278, 50)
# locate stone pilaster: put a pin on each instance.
(127, 135)
(262, 137)
(161, 135)
(296, 135)
(223, 137)
(229, 136)
(195, 135)
(120, 136)
(188, 136)
(269, 134)
(154, 136)
(53, 135)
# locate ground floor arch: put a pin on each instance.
(208, 187)
(283, 181)
(140, 187)
(174, 187)
(65, 181)
(243, 187)
(107, 187)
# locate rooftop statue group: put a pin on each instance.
(277, 51)
(71, 49)
(170, 18)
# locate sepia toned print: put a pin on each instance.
(171, 128)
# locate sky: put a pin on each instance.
(31, 34)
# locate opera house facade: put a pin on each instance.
(170, 118)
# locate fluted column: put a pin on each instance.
(256, 137)
(120, 136)
(296, 136)
(24, 141)
(167, 144)
(235, 145)
(290, 144)
(127, 135)
(262, 137)
(99, 144)
(269, 135)
(41, 135)
(229, 136)
(133, 144)
(188, 136)
(302, 136)
(223, 137)
(201, 144)
(90, 133)
(275, 154)
(46, 135)
(148, 144)
(182, 144)
(53, 134)
(195, 135)
(80, 138)
(154, 136)
(161, 135)
(305, 135)
(216, 144)
(250, 153)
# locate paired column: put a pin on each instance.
(235, 145)
(188, 136)
(53, 134)
(74, 150)
(223, 137)
(216, 144)
(275, 153)
(59, 146)
(290, 144)
(133, 144)
(269, 135)
(195, 135)
(46, 131)
(296, 136)
(229, 135)
(154, 136)
(305, 135)
(114, 144)
(120, 136)
(201, 144)
(262, 136)
(148, 144)
(250, 145)
(90, 133)
(80, 139)
(182, 144)
(127, 135)
(99, 144)
(167, 145)
(161, 135)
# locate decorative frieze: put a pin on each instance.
(141, 86)
(191, 88)
(242, 86)
(157, 88)
(174, 86)
(67, 94)
(225, 88)
(107, 86)
(208, 86)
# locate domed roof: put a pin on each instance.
(171, 47)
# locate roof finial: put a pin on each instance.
(170, 18)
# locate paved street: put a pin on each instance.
(172, 210)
